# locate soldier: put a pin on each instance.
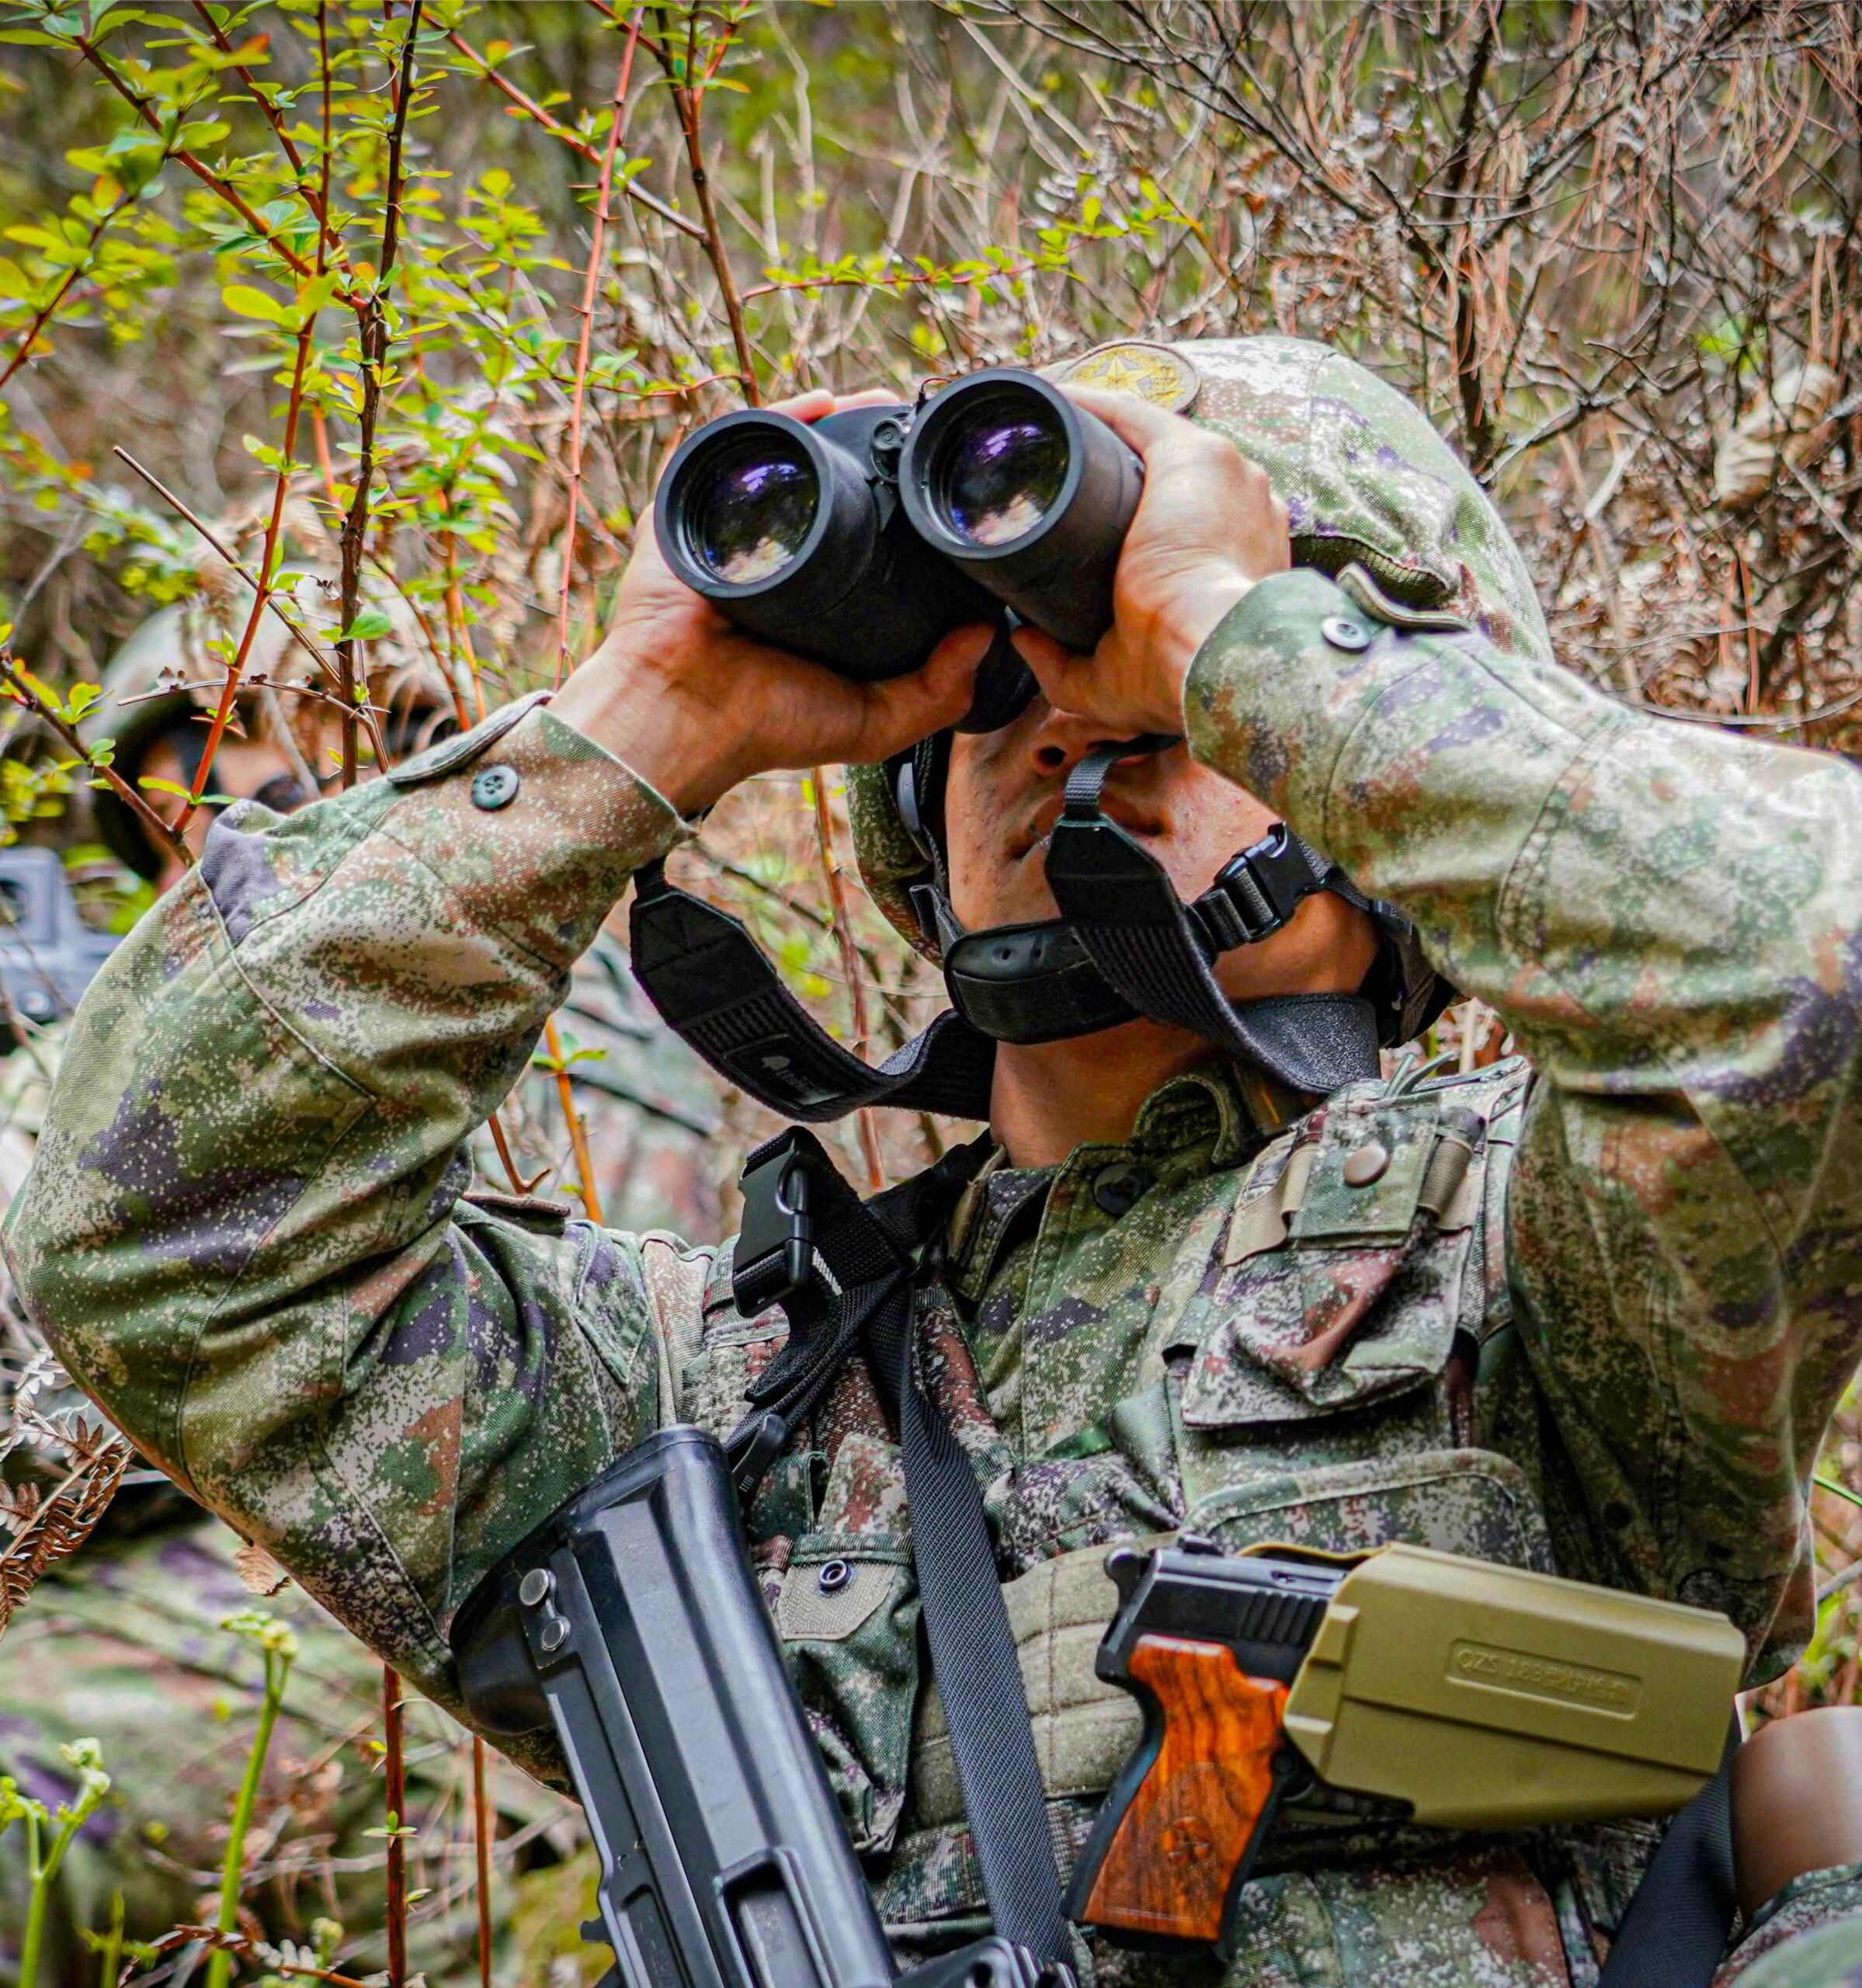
(1182, 1290)
(123, 1642)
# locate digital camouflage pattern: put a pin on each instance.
(1821, 1957)
(1605, 1341)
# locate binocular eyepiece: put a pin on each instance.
(861, 539)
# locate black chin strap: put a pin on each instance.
(1157, 952)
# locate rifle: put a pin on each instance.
(48, 955)
(631, 1622)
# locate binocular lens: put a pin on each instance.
(750, 512)
(1000, 469)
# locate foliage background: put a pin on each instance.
(427, 293)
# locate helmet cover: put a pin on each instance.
(1367, 481)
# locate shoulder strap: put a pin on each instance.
(858, 1285)
(1675, 1932)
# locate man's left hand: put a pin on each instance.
(1207, 528)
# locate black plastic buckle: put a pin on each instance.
(1256, 893)
(750, 1449)
(775, 1255)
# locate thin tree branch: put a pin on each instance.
(374, 352)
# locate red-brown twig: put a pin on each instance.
(43, 316)
(318, 654)
(538, 114)
(578, 1137)
(590, 289)
(519, 1184)
(233, 1943)
(394, 1773)
(21, 692)
(481, 1838)
(374, 354)
(268, 556)
(205, 174)
(688, 101)
(849, 966)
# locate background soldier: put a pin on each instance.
(1182, 1293)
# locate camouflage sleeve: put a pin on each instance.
(243, 1230)
(1669, 918)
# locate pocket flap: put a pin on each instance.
(826, 1601)
(1343, 1280)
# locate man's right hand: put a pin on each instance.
(693, 705)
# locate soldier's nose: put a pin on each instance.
(1060, 741)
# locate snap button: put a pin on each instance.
(1342, 633)
(1366, 1163)
(834, 1576)
(1116, 1188)
(495, 787)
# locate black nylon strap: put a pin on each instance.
(869, 1249)
(1674, 1934)
(704, 973)
(1140, 935)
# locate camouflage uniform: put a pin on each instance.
(1590, 1315)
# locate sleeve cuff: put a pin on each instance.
(537, 833)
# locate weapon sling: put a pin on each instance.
(869, 1249)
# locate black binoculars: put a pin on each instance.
(862, 538)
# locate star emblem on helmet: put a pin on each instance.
(1155, 373)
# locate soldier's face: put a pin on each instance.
(1004, 797)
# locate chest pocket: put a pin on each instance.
(1348, 1267)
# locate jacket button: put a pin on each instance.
(1342, 633)
(834, 1576)
(1366, 1163)
(493, 788)
(1116, 1188)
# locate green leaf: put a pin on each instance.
(202, 131)
(370, 624)
(244, 301)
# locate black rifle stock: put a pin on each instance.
(631, 1622)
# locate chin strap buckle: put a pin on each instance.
(775, 1255)
(1256, 893)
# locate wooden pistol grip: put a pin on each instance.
(1168, 1869)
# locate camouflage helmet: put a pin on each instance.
(1366, 480)
(172, 668)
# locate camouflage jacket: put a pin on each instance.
(1592, 1315)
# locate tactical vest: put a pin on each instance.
(1326, 1361)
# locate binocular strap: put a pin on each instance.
(715, 990)
(1125, 911)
